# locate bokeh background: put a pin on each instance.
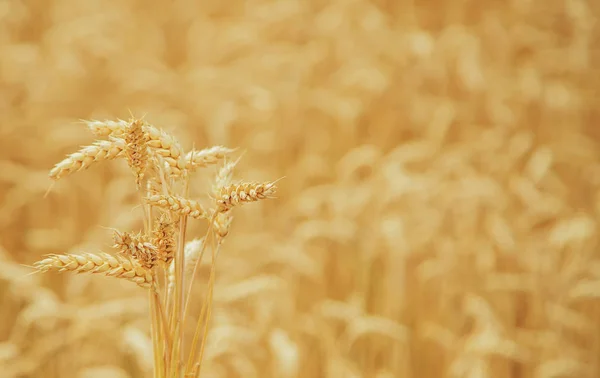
(439, 215)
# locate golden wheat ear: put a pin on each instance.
(245, 192)
(179, 205)
(208, 156)
(106, 128)
(136, 149)
(168, 148)
(99, 151)
(164, 238)
(224, 176)
(109, 265)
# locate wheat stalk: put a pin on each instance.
(161, 168)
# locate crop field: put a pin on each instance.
(425, 179)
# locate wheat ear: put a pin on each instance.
(164, 238)
(137, 246)
(106, 128)
(238, 194)
(223, 178)
(168, 148)
(212, 155)
(179, 205)
(136, 149)
(82, 159)
(114, 266)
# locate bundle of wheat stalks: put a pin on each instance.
(158, 258)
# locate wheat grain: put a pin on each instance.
(179, 205)
(238, 194)
(114, 266)
(82, 159)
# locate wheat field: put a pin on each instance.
(439, 215)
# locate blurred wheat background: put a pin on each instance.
(439, 215)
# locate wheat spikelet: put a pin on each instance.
(82, 159)
(178, 205)
(238, 194)
(114, 266)
(195, 159)
(164, 238)
(222, 224)
(136, 149)
(168, 148)
(106, 128)
(137, 246)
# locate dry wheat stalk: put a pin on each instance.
(136, 149)
(82, 159)
(178, 205)
(238, 194)
(114, 266)
(152, 154)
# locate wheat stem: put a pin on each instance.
(163, 323)
(190, 287)
(203, 310)
(155, 337)
(211, 286)
(178, 312)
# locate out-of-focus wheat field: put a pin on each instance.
(439, 212)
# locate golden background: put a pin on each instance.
(439, 215)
